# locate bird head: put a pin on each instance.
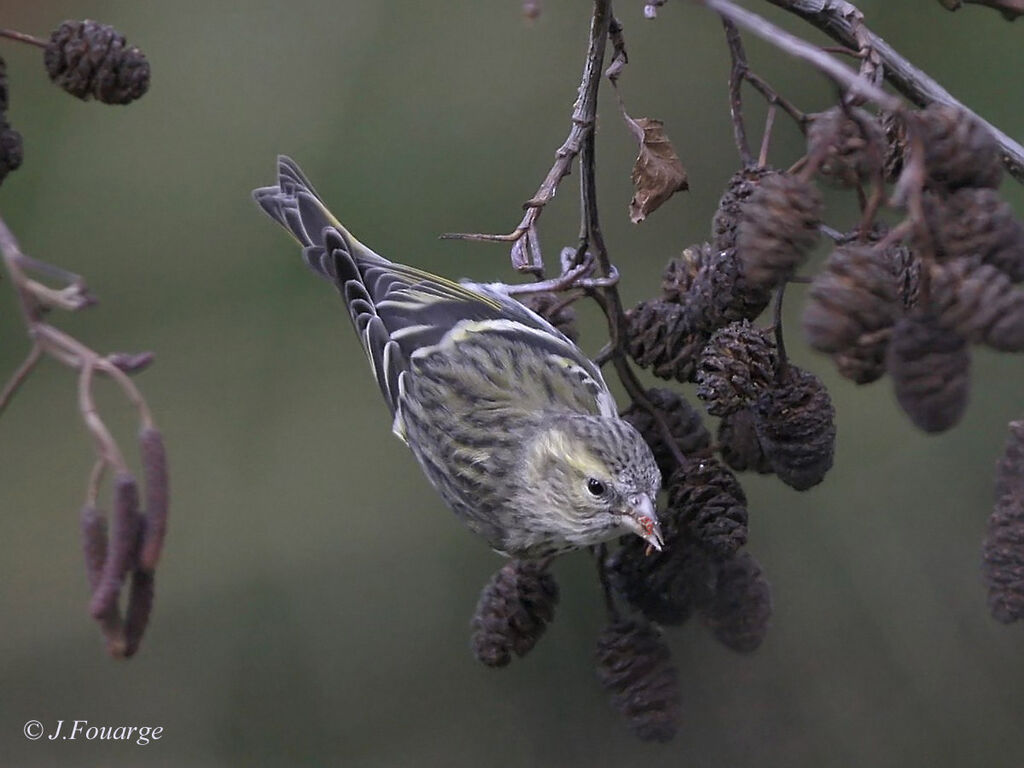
(596, 478)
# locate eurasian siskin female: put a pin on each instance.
(510, 421)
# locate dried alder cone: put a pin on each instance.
(635, 668)
(1003, 550)
(92, 60)
(665, 586)
(726, 222)
(979, 303)
(930, 369)
(738, 444)
(959, 150)
(778, 226)
(683, 421)
(796, 427)
(738, 362)
(657, 173)
(514, 610)
(853, 296)
(11, 151)
(740, 608)
(850, 143)
(663, 337)
(976, 223)
(555, 309)
(707, 499)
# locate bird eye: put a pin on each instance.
(596, 487)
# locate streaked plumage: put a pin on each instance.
(510, 421)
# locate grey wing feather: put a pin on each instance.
(396, 309)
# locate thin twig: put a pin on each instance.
(600, 553)
(780, 341)
(1010, 9)
(21, 37)
(583, 117)
(801, 49)
(766, 137)
(19, 376)
(775, 99)
(736, 75)
(844, 23)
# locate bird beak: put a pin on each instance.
(643, 520)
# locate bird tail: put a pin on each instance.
(295, 205)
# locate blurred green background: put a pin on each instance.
(314, 598)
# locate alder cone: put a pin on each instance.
(667, 585)
(706, 499)
(738, 444)
(979, 303)
(514, 610)
(960, 151)
(663, 337)
(740, 609)
(683, 420)
(853, 296)
(634, 666)
(796, 427)
(976, 223)
(778, 228)
(1003, 550)
(852, 146)
(681, 271)
(726, 220)
(737, 363)
(930, 370)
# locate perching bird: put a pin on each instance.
(510, 421)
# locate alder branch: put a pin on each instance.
(1010, 9)
(110, 558)
(526, 253)
(844, 23)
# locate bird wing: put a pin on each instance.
(400, 311)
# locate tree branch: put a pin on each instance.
(844, 23)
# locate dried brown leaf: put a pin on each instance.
(657, 173)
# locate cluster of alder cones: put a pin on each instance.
(904, 299)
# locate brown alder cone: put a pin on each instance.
(552, 307)
(665, 586)
(796, 426)
(665, 338)
(726, 220)
(852, 148)
(737, 363)
(930, 370)
(740, 609)
(979, 303)
(1003, 550)
(976, 223)
(635, 668)
(959, 150)
(681, 271)
(854, 295)
(738, 444)
(706, 499)
(514, 610)
(92, 60)
(683, 420)
(778, 227)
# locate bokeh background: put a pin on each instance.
(314, 599)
